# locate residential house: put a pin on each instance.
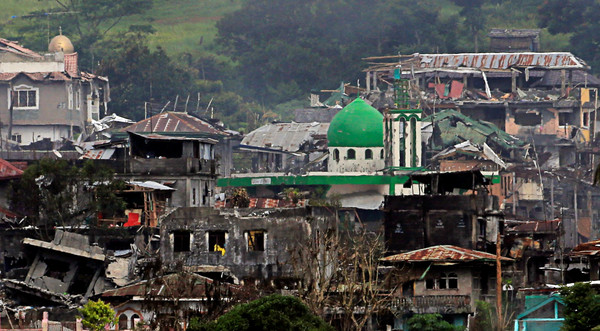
(168, 301)
(188, 126)
(442, 279)
(46, 96)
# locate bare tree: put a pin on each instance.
(339, 275)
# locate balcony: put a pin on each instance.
(431, 304)
(181, 166)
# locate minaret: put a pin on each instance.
(402, 128)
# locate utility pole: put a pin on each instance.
(498, 280)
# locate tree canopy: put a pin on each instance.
(274, 312)
(582, 307)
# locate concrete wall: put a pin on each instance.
(359, 163)
(283, 228)
(414, 222)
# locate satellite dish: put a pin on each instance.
(57, 153)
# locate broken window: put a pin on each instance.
(586, 119)
(181, 241)
(564, 119)
(17, 137)
(56, 269)
(351, 155)
(216, 241)
(452, 280)
(256, 241)
(528, 119)
(368, 154)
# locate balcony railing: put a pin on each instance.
(429, 304)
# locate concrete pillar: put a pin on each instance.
(45, 321)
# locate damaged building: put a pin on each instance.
(46, 96)
(245, 245)
(65, 271)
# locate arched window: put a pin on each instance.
(134, 317)
(368, 154)
(351, 155)
(402, 136)
(381, 154)
(336, 155)
(123, 322)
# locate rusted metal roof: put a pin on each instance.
(174, 122)
(443, 253)
(499, 60)
(36, 76)
(480, 61)
(288, 137)
(587, 248)
(14, 47)
(9, 171)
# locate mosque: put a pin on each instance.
(370, 155)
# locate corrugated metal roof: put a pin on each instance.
(9, 171)
(443, 253)
(285, 136)
(174, 122)
(498, 60)
(99, 154)
(14, 47)
(152, 185)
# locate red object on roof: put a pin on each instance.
(443, 253)
(174, 122)
(133, 219)
(9, 171)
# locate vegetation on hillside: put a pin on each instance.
(246, 61)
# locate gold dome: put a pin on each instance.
(61, 43)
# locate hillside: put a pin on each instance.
(181, 25)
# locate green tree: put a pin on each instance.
(274, 312)
(96, 315)
(53, 192)
(582, 307)
(139, 74)
(430, 322)
(580, 19)
(85, 22)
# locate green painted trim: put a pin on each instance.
(405, 111)
(407, 117)
(413, 142)
(406, 169)
(309, 180)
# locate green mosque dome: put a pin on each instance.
(356, 125)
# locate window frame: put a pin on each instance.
(254, 244)
(24, 88)
(180, 235)
(211, 234)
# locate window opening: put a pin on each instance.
(181, 241)
(256, 241)
(216, 241)
(368, 154)
(351, 155)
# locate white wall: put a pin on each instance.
(359, 164)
